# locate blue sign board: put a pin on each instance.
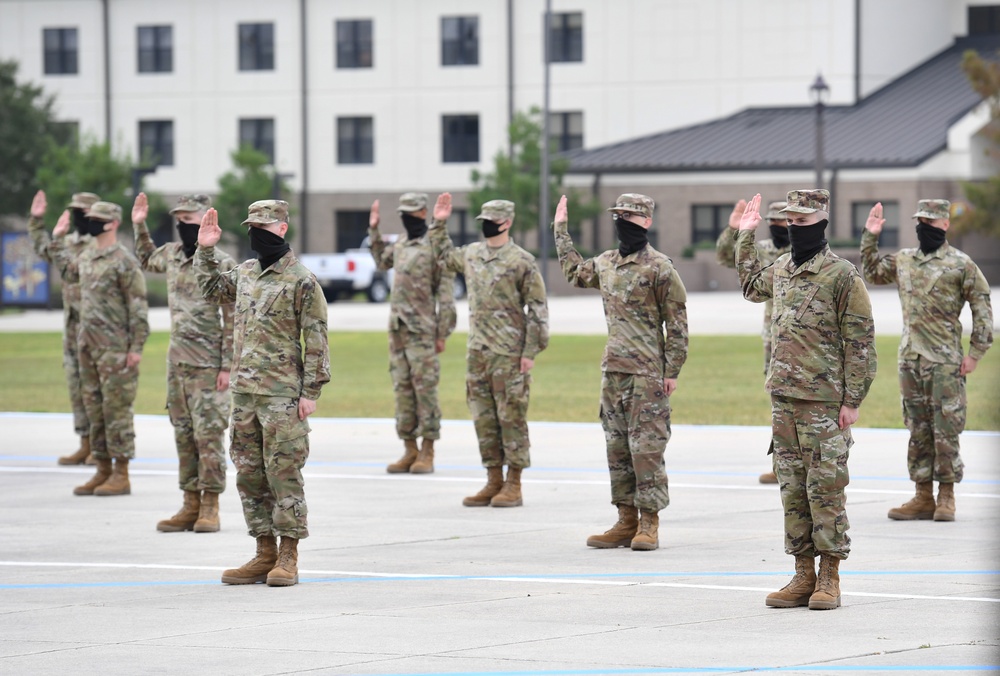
(25, 276)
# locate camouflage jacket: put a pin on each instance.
(933, 288)
(113, 309)
(644, 306)
(822, 331)
(423, 298)
(508, 313)
(280, 339)
(201, 333)
(64, 253)
(767, 253)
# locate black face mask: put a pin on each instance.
(79, 221)
(415, 227)
(807, 240)
(490, 228)
(95, 227)
(631, 237)
(189, 237)
(269, 247)
(930, 238)
(779, 235)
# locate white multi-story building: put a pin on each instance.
(363, 99)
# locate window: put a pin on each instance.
(354, 44)
(355, 143)
(566, 37)
(890, 230)
(156, 142)
(565, 131)
(984, 20)
(259, 134)
(156, 49)
(60, 46)
(459, 40)
(352, 228)
(256, 46)
(708, 221)
(460, 138)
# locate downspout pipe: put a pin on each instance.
(106, 20)
(304, 96)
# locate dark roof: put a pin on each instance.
(900, 125)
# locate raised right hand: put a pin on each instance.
(373, 215)
(562, 213)
(751, 214)
(140, 210)
(442, 208)
(210, 233)
(62, 225)
(734, 218)
(875, 221)
(38, 204)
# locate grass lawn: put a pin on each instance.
(721, 383)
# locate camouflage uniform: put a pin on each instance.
(508, 321)
(823, 358)
(933, 288)
(113, 323)
(421, 311)
(643, 295)
(201, 345)
(275, 310)
(64, 253)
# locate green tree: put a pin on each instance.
(983, 196)
(250, 179)
(518, 178)
(27, 128)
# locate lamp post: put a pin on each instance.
(543, 207)
(820, 92)
(276, 180)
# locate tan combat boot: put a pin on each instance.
(286, 572)
(621, 534)
(797, 592)
(494, 482)
(118, 483)
(80, 456)
(648, 538)
(256, 569)
(945, 510)
(827, 594)
(185, 518)
(510, 494)
(103, 474)
(768, 478)
(920, 506)
(402, 465)
(208, 515)
(425, 458)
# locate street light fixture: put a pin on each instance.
(820, 93)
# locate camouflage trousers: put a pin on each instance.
(415, 371)
(497, 394)
(810, 460)
(108, 389)
(934, 411)
(71, 367)
(198, 413)
(635, 415)
(269, 446)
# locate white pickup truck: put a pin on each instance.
(344, 274)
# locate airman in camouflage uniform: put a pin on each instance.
(113, 330)
(281, 361)
(935, 281)
(768, 251)
(64, 253)
(508, 327)
(421, 317)
(822, 363)
(645, 307)
(198, 363)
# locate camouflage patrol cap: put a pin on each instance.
(807, 201)
(83, 200)
(774, 211)
(192, 203)
(412, 201)
(496, 211)
(634, 203)
(933, 209)
(265, 212)
(105, 211)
